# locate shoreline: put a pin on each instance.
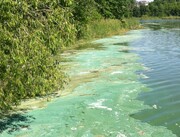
(158, 18)
(42, 102)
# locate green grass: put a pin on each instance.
(104, 28)
(109, 27)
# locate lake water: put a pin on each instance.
(159, 49)
(128, 88)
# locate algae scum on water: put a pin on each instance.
(103, 98)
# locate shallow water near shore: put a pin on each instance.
(111, 94)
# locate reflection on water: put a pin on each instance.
(160, 24)
(160, 52)
(10, 123)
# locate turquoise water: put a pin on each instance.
(110, 89)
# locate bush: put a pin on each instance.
(31, 34)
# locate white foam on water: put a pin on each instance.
(83, 73)
(116, 72)
(99, 105)
(146, 68)
(144, 76)
(73, 128)
(155, 106)
(121, 135)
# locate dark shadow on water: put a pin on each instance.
(122, 44)
(89, 46)
(15, 122)
(124, 51)
(151, 117)
(162, 23)
(153, 26)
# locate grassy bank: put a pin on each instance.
(171, 17)
(104, 28)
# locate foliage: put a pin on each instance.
(158, 8)
(31, 33)
(83, 13)
(108, 27)
(115, 9)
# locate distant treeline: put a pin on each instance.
(33, 32)
(158, 8)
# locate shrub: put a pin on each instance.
(31, 34)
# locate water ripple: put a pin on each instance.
(161, 53)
